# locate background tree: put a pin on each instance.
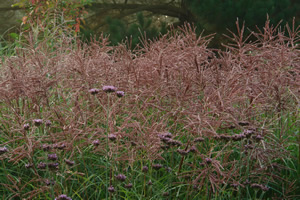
(214, 16)
(125, 18)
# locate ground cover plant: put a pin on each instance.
(172, 119)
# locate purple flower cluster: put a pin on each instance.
(94, 91)
(120, 93)
(52, 157)
(111, 189)
(107, 89)
(37, 122)
(3, 150)
(63, 197)
(121, 177)
(26, 127)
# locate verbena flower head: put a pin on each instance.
(49, 182)
(112, 137)
(37, 122)
(52, 156)
(145, 169)
(3, 150)
(96, 142)
(249, 132)
(29, 165)
(46, 147)
(94, 91)
(111, 189)
(53, 165)
(63, 197)
(41, 165)
(193, 149)
(48, 123)
(128, 186)
(120, 93)
(59, 146)
(26, 127)
(121, 177)
(109, 89)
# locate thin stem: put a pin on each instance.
(107, 147)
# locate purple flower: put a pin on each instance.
(52, 157)
(48, 123)
(3, 150)
(59, 146)
(120, 93)
(111, 189)
(94, 91)
(26, 127)
(29, 165)
(193, 149)
(37, 122)
(112, 137)
(109, 89)
(121, 177)
(96, 142)
(51, 182)
(53, 165)
(41, 165)
(145, 169)
(63, 197)
(249, 132)
(46, 147)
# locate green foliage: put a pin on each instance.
(118, 31)
(217, 15)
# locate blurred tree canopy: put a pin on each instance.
(129, 18)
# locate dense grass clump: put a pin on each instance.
(170, 120)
